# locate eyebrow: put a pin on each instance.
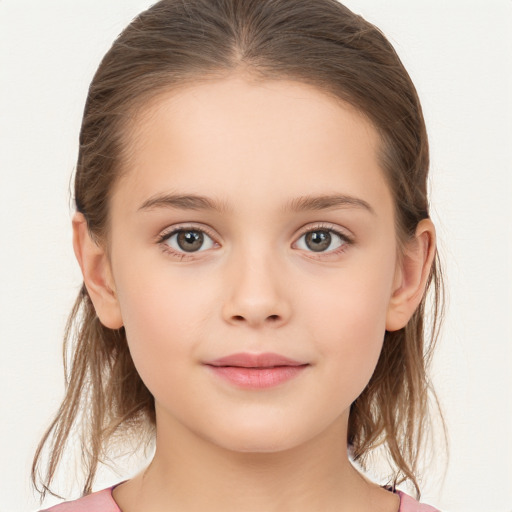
(183, 202)
(327, 202)
(299, 204)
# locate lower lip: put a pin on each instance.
(257, 378)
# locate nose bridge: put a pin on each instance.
(256, 295)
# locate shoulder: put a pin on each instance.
(101, 501)
(409, 504)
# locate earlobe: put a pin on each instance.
(97, 274)
(412, 276)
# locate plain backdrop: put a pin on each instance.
(459, 54)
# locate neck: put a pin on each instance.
(189, 473)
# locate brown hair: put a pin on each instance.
(175, 42)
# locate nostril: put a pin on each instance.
(241, 318)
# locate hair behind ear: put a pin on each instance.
(394, 408)
(104, 396)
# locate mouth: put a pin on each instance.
(256, 371)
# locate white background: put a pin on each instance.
(459, 54)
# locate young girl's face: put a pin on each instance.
(253, 218)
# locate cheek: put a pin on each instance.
(352, 304)
(348, 315)
(162, 322)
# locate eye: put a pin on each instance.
(188, 240)
(321, 240)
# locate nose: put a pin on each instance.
(257, 294)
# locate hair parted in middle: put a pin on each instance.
(180, 42)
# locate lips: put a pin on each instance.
(256, 371)
(246, 360)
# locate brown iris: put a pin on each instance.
(190, 241)
(318, 240)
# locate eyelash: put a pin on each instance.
(347, 241)
(163, 238)
(166, 235)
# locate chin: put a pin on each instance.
(260, 436)
(258, 443)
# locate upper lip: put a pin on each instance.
(246, 360)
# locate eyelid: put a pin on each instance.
(326, 226)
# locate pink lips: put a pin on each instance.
(256, 371)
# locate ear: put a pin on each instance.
(411, 276)
(97, 274)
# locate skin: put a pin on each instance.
(253, 149)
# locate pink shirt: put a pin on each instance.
(102, 501)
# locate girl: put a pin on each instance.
(253, 231)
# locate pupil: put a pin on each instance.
(318, 240)
(190, 241)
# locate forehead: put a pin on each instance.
(234, 137)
